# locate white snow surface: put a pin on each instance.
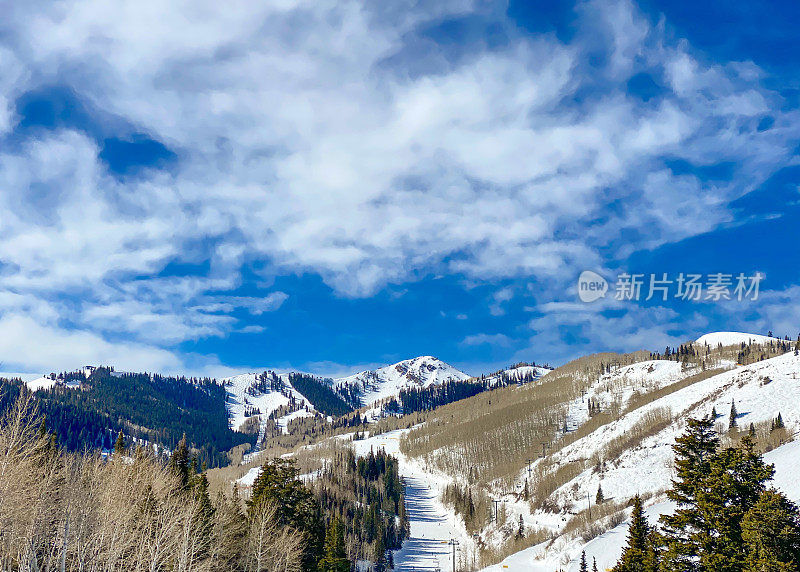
(733, 338)
(385, 382)
(35, 383)
(432, 524)
(249, 478)
(518, 373)
(607, 548)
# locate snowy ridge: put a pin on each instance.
(52, 379)
(518, 374)
(376, 385)
(733, 339)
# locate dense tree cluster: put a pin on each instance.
(427, 398)
(726, 520)
(681, 353)
(414, 399)
(147, 407)
(265, 382)
(750, 353)
(366, 496)
(470, 502)
(320, 393)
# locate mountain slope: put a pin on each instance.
(369, 387)
(87, 408)
(265, 394)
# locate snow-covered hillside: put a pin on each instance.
(252, 394)
(518, 374)
(607, 548)
(375, 385)
(733, 338)
(760, 391)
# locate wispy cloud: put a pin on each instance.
(306, 143)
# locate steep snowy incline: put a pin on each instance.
(375, 385)
(251, 394)
(607, 548)
(432, 524)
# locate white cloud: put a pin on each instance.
(27, 345)
(305, 142)
(487, 339)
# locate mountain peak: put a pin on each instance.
(375, 385)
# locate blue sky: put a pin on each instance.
(333, 186)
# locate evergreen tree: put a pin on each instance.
(693, 454)
(771, 533)
(594, 564)
(732, 423)
(119, 444)
(179, 462)
(584, 567)
(380, 554)
(335, 559)
(521, 528)
(599, 498)
(277, 483)
(639, 554)
(713, 492)
(779, 422)
(201, 492)
(752, 431)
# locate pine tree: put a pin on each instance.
(335, 559)
(380, 554)
(732, 423)
(594, 564)
(599, 498)
(752, 431)
(584, 567)
(201, 492)
(119, 445)
(521, 528)
(277, 483)
(771, 534)
(694, 452)
(779, 422)
(179, 462)
(639, 554)
(713, 492)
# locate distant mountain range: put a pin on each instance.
(249, 400)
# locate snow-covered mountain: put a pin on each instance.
(372, 386)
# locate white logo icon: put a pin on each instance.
(591, 286)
